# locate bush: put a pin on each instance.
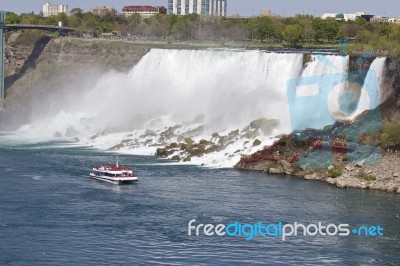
(391, 135)
(367, 177)
(336, 171)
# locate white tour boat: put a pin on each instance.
(115, 174)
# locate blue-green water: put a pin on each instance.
(51, 213)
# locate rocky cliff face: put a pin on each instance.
(35, 59)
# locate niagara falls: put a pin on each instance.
(199, 132)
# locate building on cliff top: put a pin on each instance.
(53, 10)
(200, 7)
(102, 10)
(144, 11)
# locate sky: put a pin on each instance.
(389, 8)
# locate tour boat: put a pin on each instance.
(114, 174)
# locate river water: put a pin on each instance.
(51, 213)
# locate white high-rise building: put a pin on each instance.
(201, 7)
(53, 10)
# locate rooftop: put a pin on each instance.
(142, 7)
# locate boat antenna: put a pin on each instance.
(117, 163)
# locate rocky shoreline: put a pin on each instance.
(383, 175)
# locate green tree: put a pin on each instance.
(62, 17)
(76, 12)
(361, 21)
(134, 23)
(364, 36)
(293, 34)
(385, 30)
(180, 28)
(331, 27)
(103, 27)
(325, 29)
(12, 18)
(261, 28)
(50, 21)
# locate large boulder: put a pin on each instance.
(176, 158)
(257, 142)
(163, 153)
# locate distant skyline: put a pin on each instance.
(242, 7)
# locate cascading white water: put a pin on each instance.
(229, 89)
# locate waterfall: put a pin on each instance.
(202, 92)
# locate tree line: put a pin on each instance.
(300, 30)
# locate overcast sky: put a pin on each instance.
(242, 7)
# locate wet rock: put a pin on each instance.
(183, 146)
(176, 158)
(215, 135)
(189, 141)
(117, 147)
(206, 142)
(167, 134)
(187, 159)
(250, 134)
(213, 148)
(233, 134)
(257, 142)
(173, 145)
(197, 152)
(163, 153)
(223, 141)
(147, 133)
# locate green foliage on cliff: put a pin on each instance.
(391, 135)
(367, 177)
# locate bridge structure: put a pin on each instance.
(11, 27)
